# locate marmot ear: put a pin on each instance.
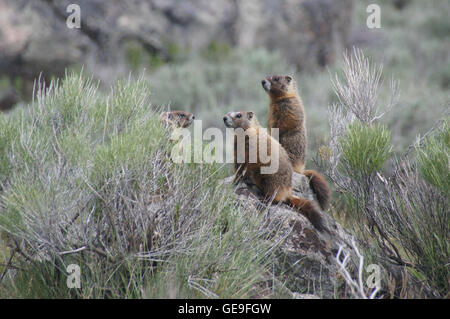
(250, 115)
(288, 78)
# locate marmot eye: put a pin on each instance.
(276, 79)
(239, 115)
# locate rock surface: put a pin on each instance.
(306, 258)
(34, 37)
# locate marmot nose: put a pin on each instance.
(263, 82)
(224, 118)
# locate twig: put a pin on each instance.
(357, 287)
(72, 251)
(8, 265)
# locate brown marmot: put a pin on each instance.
(178, 119)
(286, 112)
(277, 185)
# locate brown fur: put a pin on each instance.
(286, 112)
(279, 185)
(178, 119)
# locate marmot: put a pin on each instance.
(277, 185)
(178, 119)
(286, 113)
(175, 121)
(172, 120)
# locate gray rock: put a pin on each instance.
(34, 37)
(306, 257)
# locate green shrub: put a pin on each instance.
(365, 148)
(81, 172)
(6, 137)
(434, 159)
(128, 149)
(400, 214)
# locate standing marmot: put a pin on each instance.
(277, 185)
(286, 113)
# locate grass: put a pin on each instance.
(433, 158)
(79, 169)
(365, 149)
(401, 215)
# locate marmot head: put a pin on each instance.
(177, 118)
(242, 119)
(278, 86)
